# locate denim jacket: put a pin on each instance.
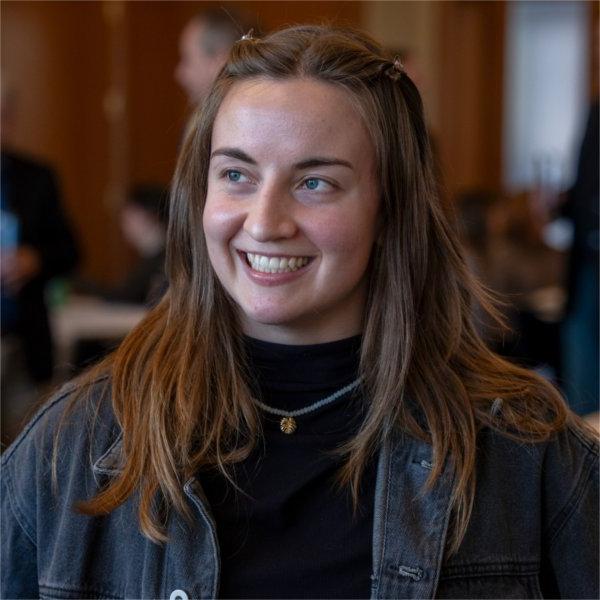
(533, 532)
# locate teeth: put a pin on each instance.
(273, 264)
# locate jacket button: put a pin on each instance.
(178, 595)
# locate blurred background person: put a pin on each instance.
(580, 328)
(204, 45)
(37, 246)
(505, 250)
(143, 221)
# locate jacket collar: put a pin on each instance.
(111, 462)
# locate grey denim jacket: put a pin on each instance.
(533, 533)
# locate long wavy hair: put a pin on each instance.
(179, 386)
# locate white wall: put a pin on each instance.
(545, 92)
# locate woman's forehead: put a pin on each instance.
(291, 116)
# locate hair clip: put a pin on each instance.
(393, 69)
(398, 66)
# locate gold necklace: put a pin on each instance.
(288, 423)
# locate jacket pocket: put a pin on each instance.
(493, 581)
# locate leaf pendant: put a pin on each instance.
(288, 425)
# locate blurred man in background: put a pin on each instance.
(203, 47)
(37, 245)
(580, 328)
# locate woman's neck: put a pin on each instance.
(290, 376)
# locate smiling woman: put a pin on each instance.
(292, 209)
(309, 412)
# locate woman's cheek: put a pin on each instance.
(343, 234)
(222, 221)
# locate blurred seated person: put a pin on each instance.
(506, 252)
(143, 221)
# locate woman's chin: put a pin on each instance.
(258, 319)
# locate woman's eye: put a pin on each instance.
(316, 184)
(234, 176)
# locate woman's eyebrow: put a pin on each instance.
(319, 161)
(234, 153)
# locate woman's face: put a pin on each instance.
(292, 209)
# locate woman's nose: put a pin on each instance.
(270, 216)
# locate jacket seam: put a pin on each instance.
(18, 514)
(564, 515)
(496, 569)
(97, 592)
(384, 541)
(587, 444)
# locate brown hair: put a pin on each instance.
(179, 389)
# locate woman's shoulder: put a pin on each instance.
(570, 450)
(560, 474)
(53, 466)
(573, 432)
(571, 466)
(70, 432)
(573, 443)
(534, 519)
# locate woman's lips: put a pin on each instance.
(274, 269)
(264, 263)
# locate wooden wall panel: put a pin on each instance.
(471, 83)
(414, 27)
(156, 104)
(280, 14)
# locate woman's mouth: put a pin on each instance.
(275, 264)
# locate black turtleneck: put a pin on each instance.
(292, 533)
